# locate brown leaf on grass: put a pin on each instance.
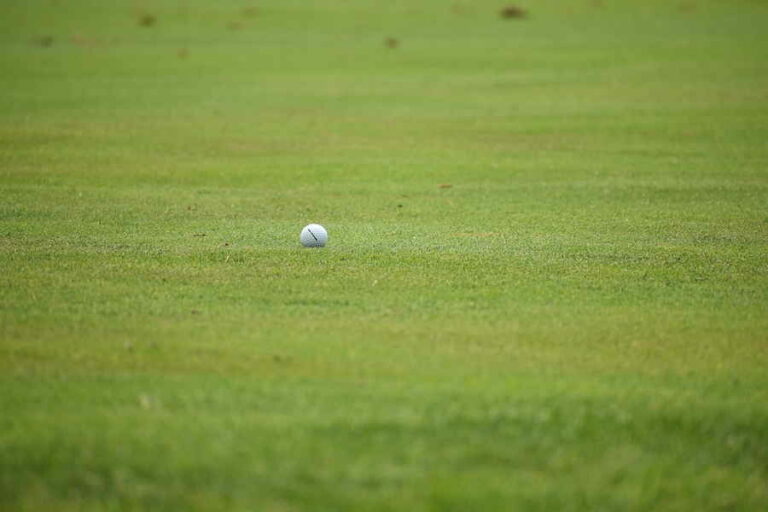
(459, 8)
(79, 40)
(513, 12)
(84, 41)
(445, 185)
(391, 42)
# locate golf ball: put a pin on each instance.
(313, 235)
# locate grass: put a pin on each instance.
(546, 285)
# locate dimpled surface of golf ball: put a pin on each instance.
(314, 235)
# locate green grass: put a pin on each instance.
(580, 322)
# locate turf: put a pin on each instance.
(546, 286)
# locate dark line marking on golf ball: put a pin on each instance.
(313, 235)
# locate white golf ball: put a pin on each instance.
(313, 235)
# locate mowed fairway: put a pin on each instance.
(546, 286)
